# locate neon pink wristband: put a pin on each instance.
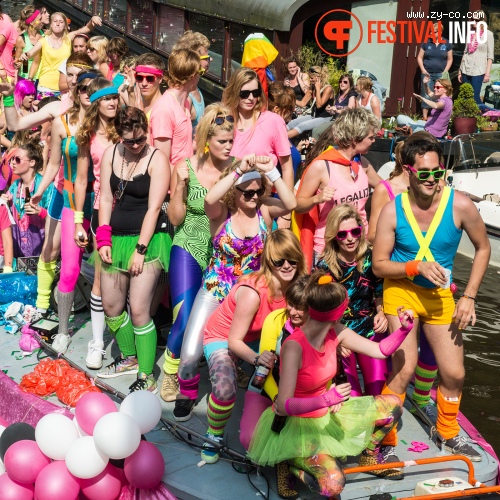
(103, 236)
(43, 213)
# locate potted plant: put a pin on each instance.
(465, 111)
(484, 124)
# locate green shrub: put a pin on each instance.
(464, 105)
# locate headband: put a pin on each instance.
(103, 92)
(85, 75)
(149, 69)
(82, 34)
(332, 315)
(80, 65)
(248, 176)
(32, 17)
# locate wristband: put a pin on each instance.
(78, 216)
(7, 269)
(43, 213)
(237, 174)
(411, 268)
(103, 236)
(256, 360)
(469, 297)
(273, 175)
(8, 101)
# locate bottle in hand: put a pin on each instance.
(27, 195)
(261, 373)
(340, 377)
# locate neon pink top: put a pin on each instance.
(96, 153)
(318, 368)
(8, 30)
(355, 193)
(217, 328)
(387, 186)
(172, 121)
(268, 138)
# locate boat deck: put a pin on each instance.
(188, 480)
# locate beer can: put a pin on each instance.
(386, 134)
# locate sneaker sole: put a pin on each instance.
(183, 419)
(93, 367)
(113, 375)
(472, 459)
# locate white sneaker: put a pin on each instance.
(61, 343)
(94, 355)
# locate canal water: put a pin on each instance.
(481, 396)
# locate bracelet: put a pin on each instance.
(237, 174)
(273, 175)
(78, 217)
(43, 213)
(284, 218)
(411, 268)
(469, 297)
(256, 360)
(8, 101)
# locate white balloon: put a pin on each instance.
(2, 428)
(54, 435)
(2, 468)
(84, 460)
(144, 407)
(117, 435)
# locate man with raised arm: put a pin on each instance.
(415, 244)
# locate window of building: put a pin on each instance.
(141, 24)
(117, 14)
(214, 30)
(171, 24)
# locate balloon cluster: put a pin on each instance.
(60, 457)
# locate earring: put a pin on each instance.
(206, 149)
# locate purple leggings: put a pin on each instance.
(71, 253)
(374, 372)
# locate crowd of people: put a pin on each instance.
(207, 209)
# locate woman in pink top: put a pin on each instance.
(237, 323)
(318, 420)
(339, 175)
(257, 130)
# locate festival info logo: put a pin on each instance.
(333, 33)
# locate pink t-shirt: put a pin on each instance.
(268, 138)
(355, 193)
(8, 30)
(219, 324)
(96, 153)
(172, 121)
(4, 224)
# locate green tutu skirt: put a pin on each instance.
(341, 434)
(123, 248)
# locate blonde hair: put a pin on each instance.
(231, 94)
(26, 13)
(447, 86)
(207, 127)
(280, 244)
(99, 43)
(354, 125)
(364, 83)
(183, 64)
(322, 71)
(332, 249)
(65, 36)
(192, 40)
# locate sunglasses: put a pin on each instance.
(438, 87)
(355, 232)
(219, 120)
(18, 159)
(281, 262)
(133, 142)
(345, 81)
(206, 58)
(201, 71)
(250, 193)
(245, 94)
(149, 78)
(91, 49)
(423, 175)
(82, 89)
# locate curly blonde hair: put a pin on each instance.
(90, 124)
(99, 43)
(354, 125)
(207, 127)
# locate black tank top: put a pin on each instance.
(129, 211)
(299, 95)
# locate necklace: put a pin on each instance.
(122, 186)
(365, 99)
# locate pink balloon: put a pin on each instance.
(4, 422)
(106, 486)
(145, 467)
(24, 461)
(12, 490)
(56, 483)
(90, 408)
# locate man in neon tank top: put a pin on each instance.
(415, 244)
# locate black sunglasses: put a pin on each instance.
(82, 89)
(250, 193)
(149, 78)
(133, 142)
(219, 120)
(245, 94)
(281, 262)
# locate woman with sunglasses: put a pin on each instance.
(96, 50)
(441, 104)
(258, 131)
(64, 147)
(240, 215)
(347, 258)
(322, 93)
(322, 423)
(336, 176)
(135, 179)
(192, 244)
(234, 329)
